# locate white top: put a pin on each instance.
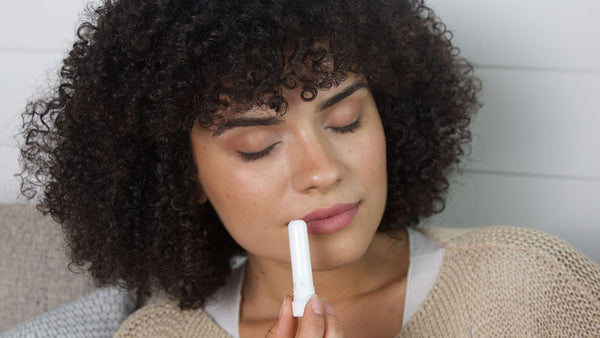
(426, 256)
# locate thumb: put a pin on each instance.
(313, 321)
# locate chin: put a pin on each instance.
(337, 254)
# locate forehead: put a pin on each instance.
(240, 115)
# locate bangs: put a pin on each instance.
(308, 65)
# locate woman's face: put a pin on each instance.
(323, 161)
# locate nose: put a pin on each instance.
(316, 164)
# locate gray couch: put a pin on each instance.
(37, 288)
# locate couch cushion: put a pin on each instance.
(34, 272)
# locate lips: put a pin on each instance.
(332, 219)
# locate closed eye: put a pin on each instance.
(253, 156)
(348, 128)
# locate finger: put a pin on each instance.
(313, 322)
(286, 324)
(333, 327)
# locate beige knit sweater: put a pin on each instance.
(495, 281)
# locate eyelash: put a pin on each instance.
(348, 128)
(249, 157)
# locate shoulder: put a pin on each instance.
(517, 246)
(507, 238)
(522, 275)
(512, 239)
(492, 235)
(166, 319)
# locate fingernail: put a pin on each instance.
(316, 305)
(328, 307)
(282, 306)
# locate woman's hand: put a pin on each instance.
(319, 320)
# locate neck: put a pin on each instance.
(268, 281)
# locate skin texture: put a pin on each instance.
(311, 165)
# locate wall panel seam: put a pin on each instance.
(530, 175)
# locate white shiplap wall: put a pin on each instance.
(535, 158)
(34, 36)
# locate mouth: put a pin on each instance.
(332, 219)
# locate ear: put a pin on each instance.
(202, 198)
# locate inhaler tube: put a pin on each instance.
(301, 267)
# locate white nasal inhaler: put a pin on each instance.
(301, 267)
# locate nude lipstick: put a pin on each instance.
(332, 219)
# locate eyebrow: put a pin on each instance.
(274, 120)
(343, 94)
(247, 122)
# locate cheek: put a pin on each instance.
(242, 197)
(370, 159)
(231, 190)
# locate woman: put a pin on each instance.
(187, 134)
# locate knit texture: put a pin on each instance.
(495, 281)
(97, 314)
(506, 281)
(164, 319)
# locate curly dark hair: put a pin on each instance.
(108, 154)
